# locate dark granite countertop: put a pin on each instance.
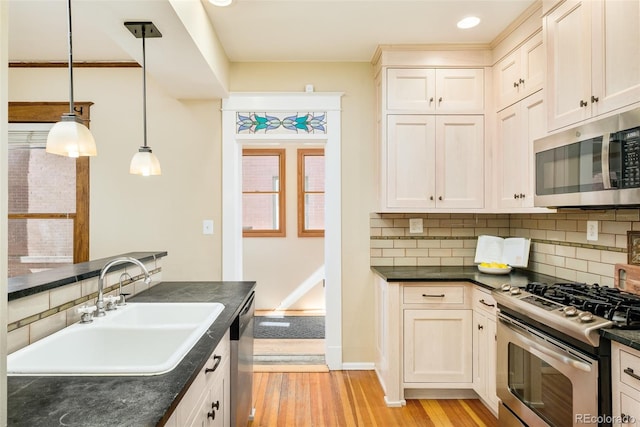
(30, 284)
(126, 400)
(517, 277)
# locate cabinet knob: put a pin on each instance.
(430, 100)
(440, 99)
(214, 407)
(583, 103)
(515, 196)
(440, 198)
(521, 81)
(594, 98)
(515, 84)
(430, 197)
(480, 327)
(521, 196)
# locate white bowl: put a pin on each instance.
(489, 270)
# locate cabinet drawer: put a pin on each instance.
(436, 294)
(630, 369)
(629, 408)
(483, 301)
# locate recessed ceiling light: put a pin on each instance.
(468, 22)
(221, 2)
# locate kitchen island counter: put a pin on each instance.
(127, 400)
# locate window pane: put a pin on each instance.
(40, 182)
(39, 244)
(260, 211)
(314, 211)
(260, 173)
(314, 173)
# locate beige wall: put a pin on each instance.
(358, 137)
(165, 213)
(129, 212)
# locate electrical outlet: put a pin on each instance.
(592, 230)
(415, 225)
(207, 226)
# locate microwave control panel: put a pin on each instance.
(630, 149)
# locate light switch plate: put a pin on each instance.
(207, 226)
(415, 225)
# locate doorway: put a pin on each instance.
(237, 113)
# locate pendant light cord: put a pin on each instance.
(144, 86)
(71, 104)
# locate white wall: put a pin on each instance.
(280, 265)
(130, 212)
(4, 37)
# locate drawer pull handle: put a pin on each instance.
(632, 374)
(217, 359)
(482, 301)
(433, 296)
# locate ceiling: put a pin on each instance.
(249, 30)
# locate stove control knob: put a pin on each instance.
(506, 287)
(585, 317)
(570, 311)
(515, 291)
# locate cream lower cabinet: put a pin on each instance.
(424, 340)
(625, 379)
(484, 348)
(207, 402)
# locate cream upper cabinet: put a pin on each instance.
(434, 162)
(520, 73)
(593, 60)
(435, 91)
(517, 127)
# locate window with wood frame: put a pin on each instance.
(311, 192)
(263, 192)
(48, 203)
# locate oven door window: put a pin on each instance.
(544, 389)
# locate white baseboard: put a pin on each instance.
(358, 366)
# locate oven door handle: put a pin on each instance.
(531, 340)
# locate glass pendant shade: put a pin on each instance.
(145, 163)
(70, 138)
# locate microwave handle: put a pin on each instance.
(606, 176)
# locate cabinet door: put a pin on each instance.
(491, 360)
(459, 91)
(411, 90)
(511, 157)
(533, 66)
(437, 346)
(480, 368)
(568, 41)
(616, 54)
(517, 127)
(410, 161)
(507, 75)
(459, 161)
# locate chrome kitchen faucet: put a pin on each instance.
(100, 311)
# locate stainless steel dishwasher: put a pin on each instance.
(242, 410)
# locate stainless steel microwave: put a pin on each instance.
(593, 165)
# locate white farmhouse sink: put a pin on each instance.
(138, 339)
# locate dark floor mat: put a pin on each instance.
(289, 327)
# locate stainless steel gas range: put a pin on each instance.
(553, 365)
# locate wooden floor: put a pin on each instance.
(351, 398)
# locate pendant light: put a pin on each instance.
(70, 137)
(144, 162)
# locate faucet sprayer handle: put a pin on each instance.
(122, 300)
